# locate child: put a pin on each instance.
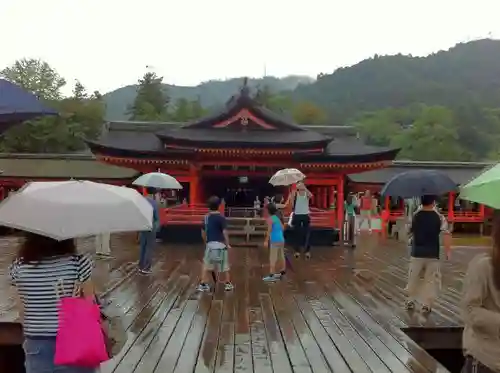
(275, 241)
(216, 238)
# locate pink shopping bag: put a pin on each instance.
(80, 338)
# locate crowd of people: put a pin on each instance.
(41, 259)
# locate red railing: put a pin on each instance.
(183, 215)
(467, 217)
(193, 215)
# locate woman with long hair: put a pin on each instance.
(41, 264)
(481, 309)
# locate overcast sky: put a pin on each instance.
(108, 43)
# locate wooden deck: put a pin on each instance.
(339, 312)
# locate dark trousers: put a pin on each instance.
(350, 230)
(301, 231)
(473, 366)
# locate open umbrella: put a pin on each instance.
(287, 176)
(158, 180)
(418, 183)
(18, 105)
(69, 209)
(484, 188)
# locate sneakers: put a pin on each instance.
(296, 255)
(308, 255)
(103, 256)
(145, 271)
(426, 309)
(203, 288)
(272, 277)
(409, 305)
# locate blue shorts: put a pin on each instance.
(40, 354)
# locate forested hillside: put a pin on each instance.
(467, 73)
(210, 94)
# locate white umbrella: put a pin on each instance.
(157, 180)
(287, 176)
(69, 209)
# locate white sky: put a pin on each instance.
(108, 43)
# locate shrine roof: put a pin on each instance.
(147, 139)
(60, 166)
(210, 138)
(460, 172)
(242, 123)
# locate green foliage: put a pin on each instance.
(35, 76)
(81, 115)
(151, 100)
(211, 94)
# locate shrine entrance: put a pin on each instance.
(239, 191)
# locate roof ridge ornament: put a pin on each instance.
(245, 89)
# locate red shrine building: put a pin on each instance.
(235, 151)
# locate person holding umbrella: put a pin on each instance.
(426, 229)
(147, 239)
(47, 265)
(301, 220)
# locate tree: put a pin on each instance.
(151, 101)
(308, 113)
(36, 76)
(80, 116)
(431, 137)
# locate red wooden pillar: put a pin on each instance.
(332, 197)
(193, 185)
(451, 205)
(340, 202)
(324, 201)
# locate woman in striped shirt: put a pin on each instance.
(40, 265)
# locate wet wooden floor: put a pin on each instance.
(339, 312)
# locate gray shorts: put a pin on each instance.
(217, 260)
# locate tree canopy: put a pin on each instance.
(81, 114)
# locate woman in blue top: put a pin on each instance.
(275, 241)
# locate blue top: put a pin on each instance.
(156, 213)
(214, 226)
(276, 230)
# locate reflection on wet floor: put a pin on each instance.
(341, 311)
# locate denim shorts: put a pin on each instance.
(39, 358)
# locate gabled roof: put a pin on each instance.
(244, 106)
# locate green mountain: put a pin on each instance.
(211, 94)
(467, 73)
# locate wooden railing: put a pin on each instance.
(467, 217)
(193, 215)
(183, 215)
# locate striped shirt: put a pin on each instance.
(36, 285)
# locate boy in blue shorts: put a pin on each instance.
(216, 238)
(275, 241)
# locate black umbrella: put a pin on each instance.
(419, 183)
(18, 105)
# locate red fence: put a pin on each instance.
(193, 215)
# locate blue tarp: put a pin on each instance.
(18, 105)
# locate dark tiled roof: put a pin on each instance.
(227, 138)
(60, 166)
(460, 172)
